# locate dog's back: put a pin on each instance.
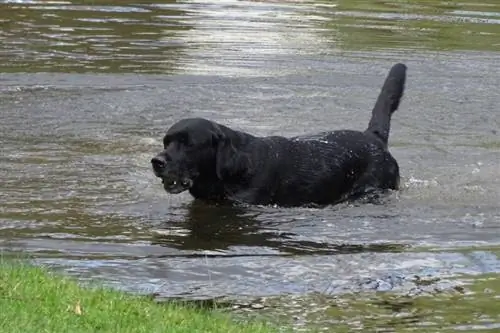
(342, 165)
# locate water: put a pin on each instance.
(88, 89)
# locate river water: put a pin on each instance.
(88, 88)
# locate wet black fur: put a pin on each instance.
(219, 164)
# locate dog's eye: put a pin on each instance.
(178, 138)
(183, 139)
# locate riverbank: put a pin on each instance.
(33, 299)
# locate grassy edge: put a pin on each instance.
(34, 299)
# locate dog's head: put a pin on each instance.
(194, 148)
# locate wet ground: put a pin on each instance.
(88, 89)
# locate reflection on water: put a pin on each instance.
(229, 37)
(218, 228)
(76, 37)
(81, 115)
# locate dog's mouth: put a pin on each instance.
(175, 186)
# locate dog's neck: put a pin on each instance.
(238, 139)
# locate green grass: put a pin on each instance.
(32, 299)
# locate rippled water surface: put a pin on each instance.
(88, 88)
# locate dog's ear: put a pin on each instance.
(230, 162)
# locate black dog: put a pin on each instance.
(218, 164)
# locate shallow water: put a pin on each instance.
(88, 89)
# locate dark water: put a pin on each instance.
(87, 89)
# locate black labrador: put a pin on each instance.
(219, 164)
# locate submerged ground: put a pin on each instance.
(88, 89)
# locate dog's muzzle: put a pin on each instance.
(159, 165)
(172, 183)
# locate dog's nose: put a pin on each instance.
(158, 163)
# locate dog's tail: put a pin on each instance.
(387, 102)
